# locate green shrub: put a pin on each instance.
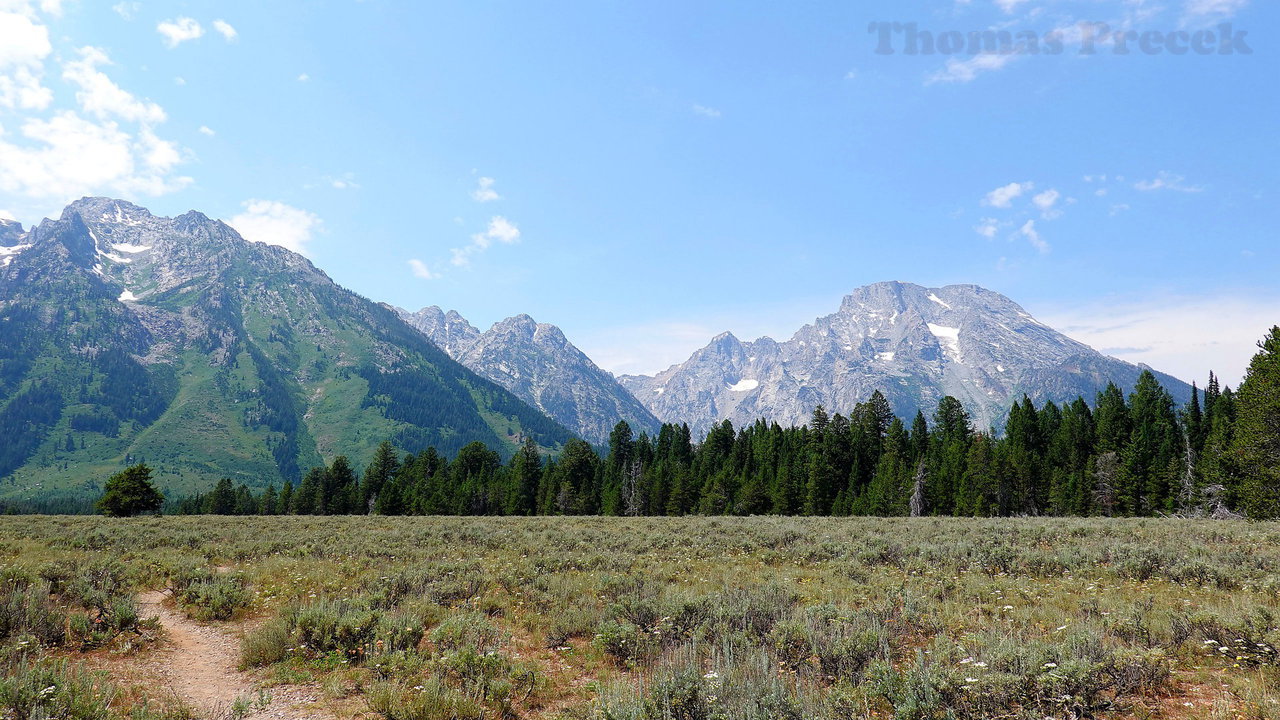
(468, 630)
(346, 628)
(429, 700)
(25, 610)
(54, 689)
(217, 598)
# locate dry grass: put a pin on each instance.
(419, 618)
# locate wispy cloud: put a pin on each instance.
(100, 96)
(966, 71)
(499, 230)
(484, 191)
(275, 223)
(1200, 13)
(183, 29)
(1167, 181)
(1029, 232)
(987, 228)
(127, 10)
(1047, 202)
(420, 270)
(1184, 335)
(1003, 197)
(704, 111)
(224, 29)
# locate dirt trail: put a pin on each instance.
(201, 668)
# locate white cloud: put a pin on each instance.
(6, 215)
(275, 223)
(1185, 336)
(127, 10)
(500, 230)
(987, 228)
(24, 45)
(421, 270)
(704, 111)
(1003, 197)
(964, 71)
(1119, 208)
(1207, 12)
(206, 130)
(304, 78)
(1047, 201)
(107, 146)
(1167, 181)
(224, 29)
(1032, 236)
(484, 191)
(503, 231)
(67, 156)
(100, 96)
(178, 31)
(346, 182)
(1009, 6)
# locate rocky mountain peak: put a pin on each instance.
(11, 232)
(537, 363)
(915, 344)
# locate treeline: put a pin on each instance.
(1140, 455)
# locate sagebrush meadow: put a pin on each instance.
(422, 618)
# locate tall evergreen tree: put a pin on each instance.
(1255, 445)
(381, 470)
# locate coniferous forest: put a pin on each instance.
(1139, 455)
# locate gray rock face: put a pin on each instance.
(10, 232)
(912, 343)
(450, 331)
(538, 364)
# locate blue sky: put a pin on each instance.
(648, 174)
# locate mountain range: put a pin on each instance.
(912, 343)
(537, 363)
(127, 337)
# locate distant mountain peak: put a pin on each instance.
(178, 341)
(913, 343)
(537, 363)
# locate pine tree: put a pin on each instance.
(1255, 446)
(222, 501)
(130, 492)
(1149, 460)
(270, 500)
(285, 505)
(617, 465)
(381, 470)
(526, 475)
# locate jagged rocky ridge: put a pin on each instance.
(538, 363)
(125, 337)
(912, 343)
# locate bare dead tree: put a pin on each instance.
(917, 492)
(1104, 483)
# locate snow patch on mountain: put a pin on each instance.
(949, 338)
(744, 386)
(7, 254)
(130, 248)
